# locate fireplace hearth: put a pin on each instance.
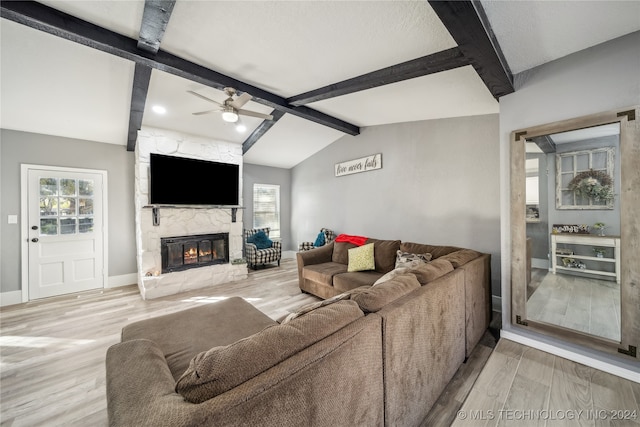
(185, 252)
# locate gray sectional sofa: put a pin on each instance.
(374, 356)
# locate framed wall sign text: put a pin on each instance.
(364, 164)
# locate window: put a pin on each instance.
(568, 165)
(266, 208)
(66, 206)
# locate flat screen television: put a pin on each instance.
(184, 181)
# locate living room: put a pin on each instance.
(443, 180)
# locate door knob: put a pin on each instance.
(34, 227)
(34, 240)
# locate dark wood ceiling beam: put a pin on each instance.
(430, 64)
(52, 21)
(154, 23)
(469, 27)
(261, 130)
(141, 78)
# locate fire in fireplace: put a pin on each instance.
(184, 252)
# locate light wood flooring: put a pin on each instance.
(52, 351)
(522, 386)
(580, 303)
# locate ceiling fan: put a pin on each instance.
(231, 108)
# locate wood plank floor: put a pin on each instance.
(523, 386)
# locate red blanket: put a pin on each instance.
(356, 240)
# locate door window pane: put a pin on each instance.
(48, 186)
(68, 187)
(85, 225)
(85, 187)
(85, 206)
(49, 227)
(48, 206)
(67, 206)
(67, 226)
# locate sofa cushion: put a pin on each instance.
(385, 254)
(428, 272)
(435, 251)
(346, 281)
(461, 257)
(406, 257)
(341, 252)
(373, 298)
(323, 273)
(184, 334)
(220, 369)
(307, 308)
(361, 258)
(261, 240)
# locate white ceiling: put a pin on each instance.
(57, 87)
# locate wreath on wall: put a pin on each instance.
(595, 185)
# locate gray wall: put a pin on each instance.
(439, 184)
(22, 147)
(254, 174)
(601, 78)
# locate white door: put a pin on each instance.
(65, 232)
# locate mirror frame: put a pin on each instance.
(629, 120)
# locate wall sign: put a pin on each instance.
(364, 164)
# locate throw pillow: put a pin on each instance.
(319, 240)
(372, 299)
(261, 240)
(405, 257)
(361, 258)
(426, 273)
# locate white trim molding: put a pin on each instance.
(10, 298)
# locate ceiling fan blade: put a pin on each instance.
(203, 97)
(206, 112)
(254, 114)
(240, 101)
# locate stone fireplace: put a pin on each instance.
(178, 225)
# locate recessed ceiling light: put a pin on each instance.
(241, 128)
(159, 109)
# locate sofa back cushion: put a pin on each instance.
(341, 252)
(428, 272)
(461, 257)
(435, 251)
(220, 369)
(372, 299)
(385, 252)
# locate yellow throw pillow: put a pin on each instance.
(361, 258)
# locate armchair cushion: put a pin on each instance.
(261, 240)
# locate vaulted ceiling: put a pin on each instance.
(93, 70)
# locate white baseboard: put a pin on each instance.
(496, 303)
(10, 298)
(570, 355)
(122, 280)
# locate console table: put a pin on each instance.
(594, 261)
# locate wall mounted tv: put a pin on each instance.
(183, 181)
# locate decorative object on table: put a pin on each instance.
(363, 164)
(570, 228)
(568, 262)
(564, 251)
(325, 236)
(600, 226)
(255, 255)
(591, 184)
(599, 252)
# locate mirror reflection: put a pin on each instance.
(573, 229)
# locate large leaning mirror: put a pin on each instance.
(575, 230)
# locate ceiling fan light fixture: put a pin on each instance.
(230, 116)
